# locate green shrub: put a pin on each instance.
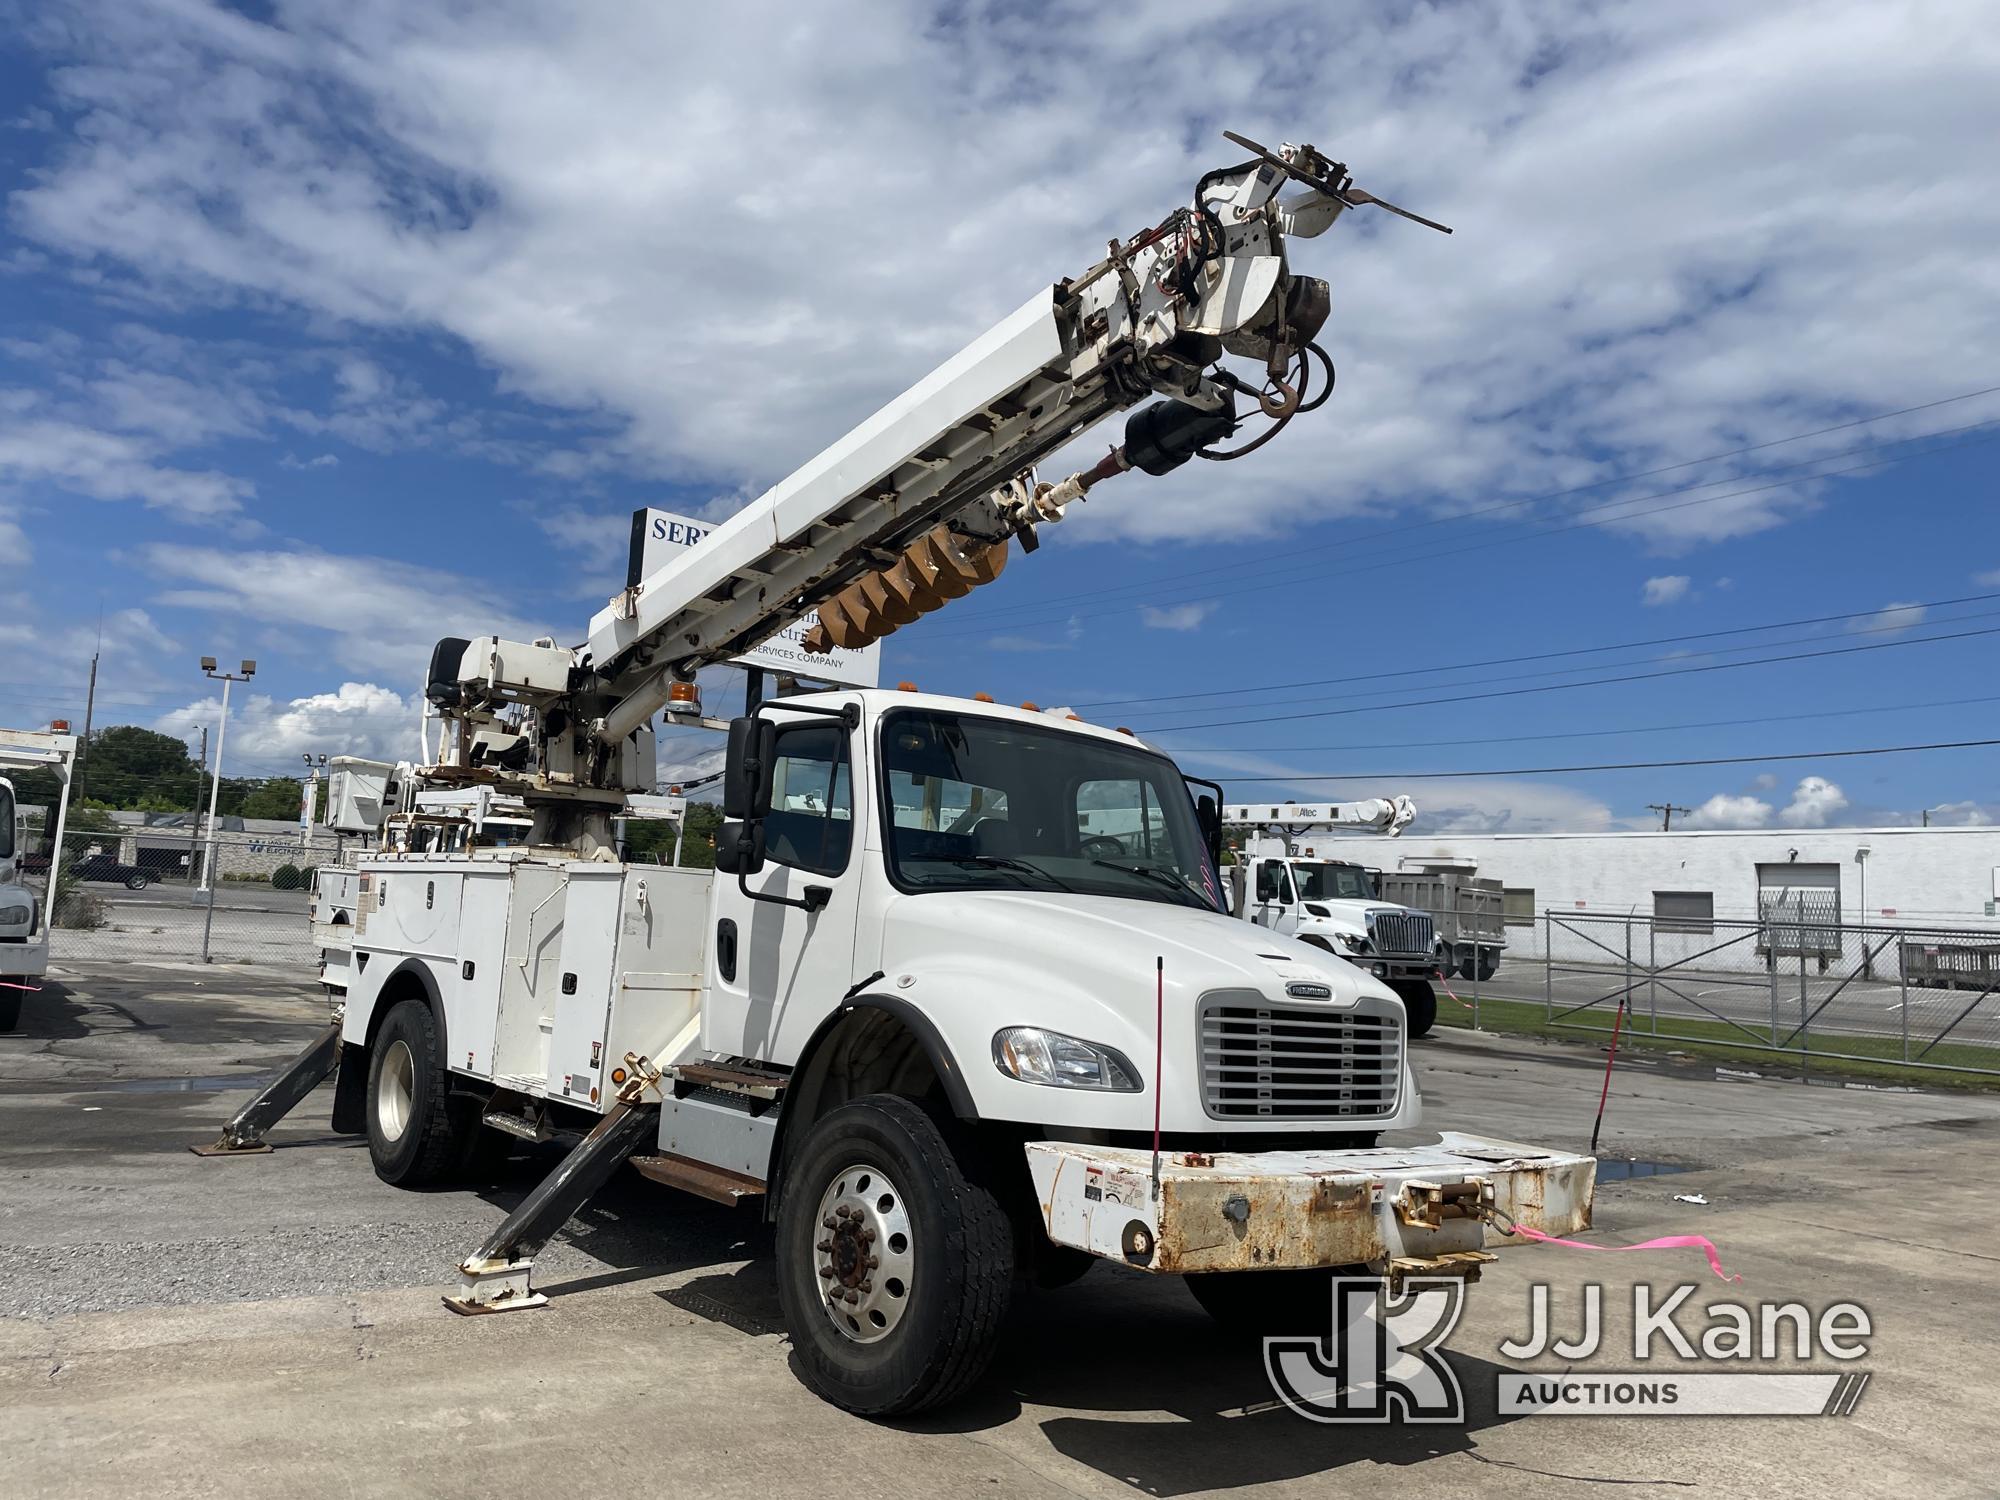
(285, 878)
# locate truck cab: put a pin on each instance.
(1332, 905)
(25, 910)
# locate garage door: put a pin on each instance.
(1800, 908)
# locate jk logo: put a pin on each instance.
(1381, 1361)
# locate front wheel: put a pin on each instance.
(895, 1260)
(10, 1003)
(137, 882)
(1420, 1002)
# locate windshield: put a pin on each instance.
(985, 804)
(1333, 883)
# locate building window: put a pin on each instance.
(1518, 905)
(1684, 911)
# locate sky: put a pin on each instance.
(328, 330)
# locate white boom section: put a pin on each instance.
(1385, 815)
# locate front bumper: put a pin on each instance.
(1396, 1209)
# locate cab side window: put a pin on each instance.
(1272, 884)
(811, 824)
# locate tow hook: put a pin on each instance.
(1426, 1205)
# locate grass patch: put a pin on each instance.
(1868, 1058)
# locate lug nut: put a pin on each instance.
(842, 1212)
(828, 1223)
(867, 1236)
(874, 1261)
(867, 1286)
(826, 1273)
(823, 1246)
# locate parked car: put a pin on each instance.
(102, 867)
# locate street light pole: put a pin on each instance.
(208, 881)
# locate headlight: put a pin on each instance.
(1354, 940)
(13, 916)
(1033, 1055)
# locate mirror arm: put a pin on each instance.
(815, 897)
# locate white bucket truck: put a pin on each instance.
(960, 1006)
(1278, 881)
(26, 914)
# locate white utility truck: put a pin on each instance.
(25, 913)
(929, 1013)
(1278, 881)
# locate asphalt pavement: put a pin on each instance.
(171, 1325)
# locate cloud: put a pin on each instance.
(603, 541)
(381, 615)
(1178, 616)
(1670, 589)
(1989, 580)
(15, 549)
(1891, 619)
(1725, 811)
(317, 461)
(1816, 803)
(113, 466)
(268, 735)
(1763, 782)
(1966, 814)
(519, 178)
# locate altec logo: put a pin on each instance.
(1383, 1361)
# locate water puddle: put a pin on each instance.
(1623, 1169)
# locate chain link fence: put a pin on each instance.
(140, 895)
(1799, 982)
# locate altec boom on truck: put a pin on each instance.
(946, 1035)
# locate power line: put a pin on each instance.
(1565, 493)
(1553, 687)
(1629, 765)
(1504, 661)
(1588, 734)
(1264, 584)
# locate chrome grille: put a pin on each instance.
(1401, 933)
(1265, 1061)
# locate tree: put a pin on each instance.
(124, 763)
(647, 838)
(275, 797)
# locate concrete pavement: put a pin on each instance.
(179, 1326)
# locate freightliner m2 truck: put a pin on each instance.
(26, 913)
(929, 1014)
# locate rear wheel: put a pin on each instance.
(10, 1002)
(137, 882)
(895, 1260)
(416, 1135)
(1261, 1303)
(1420, 1002)
(1488, 967)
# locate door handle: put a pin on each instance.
(725, 949)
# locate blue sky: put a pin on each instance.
(325, 331)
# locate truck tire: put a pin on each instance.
(10, 1004)
(1421, 1003)
(415, 1136)
(895, 1260)
(1488, 967)
(1258, 1304)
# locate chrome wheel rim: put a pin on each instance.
(863, 1253)
(396, 1090)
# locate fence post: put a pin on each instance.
(1625, 1000)
(1549, 964)
(1653, 975)
(1771, 968)
(1903, 981)
(1805, 1042)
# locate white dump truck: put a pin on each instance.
(1279, 881)
(960, 1008)
(28, 912)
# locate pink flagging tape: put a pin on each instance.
(1452, 992)
(1669, 1242)
(8, 984)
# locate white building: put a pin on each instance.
(1909, 877)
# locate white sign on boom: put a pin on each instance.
(658, 534)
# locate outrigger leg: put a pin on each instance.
(244, 1134)
(494, 1278)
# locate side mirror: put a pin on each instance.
(746, 776)
(1208, 814)
(739, 847)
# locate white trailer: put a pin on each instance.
(960, 1004)
(26, 915)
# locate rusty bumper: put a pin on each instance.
(1398, 1209)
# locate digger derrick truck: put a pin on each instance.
(941, 1032)
(27, 914)
(1280, 881)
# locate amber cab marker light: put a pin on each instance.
(982, 697)
(1031, 708)
(906, 687)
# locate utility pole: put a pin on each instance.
(1666, 810)
(208, 669)
(83, 745)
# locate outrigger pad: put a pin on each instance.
(494, 1286)
(223, 1148)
